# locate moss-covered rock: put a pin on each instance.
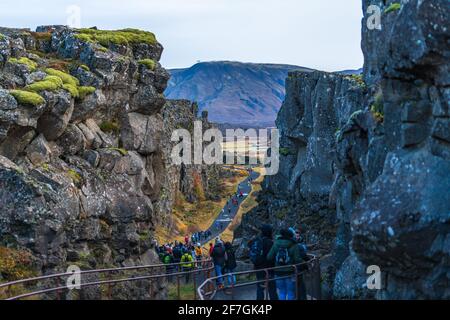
(27, 98)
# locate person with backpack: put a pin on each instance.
(301, 288)
(168, 261)
(259, 249)
(198, 252)
(187, 264)
(230, 263)
(285, 252)
(219, 257)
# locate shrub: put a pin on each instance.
(15, 264)
(198, 187)
(75, 176)
(2, 36)
(393, 7)
(65, 77)
(110, 126)
(50, 83)
(45, 36)
(358, 78)
(149, 63)
(73, 90)
(85, 91)
(25, 61)
(285, 152)
(27, 98)
(377, 107)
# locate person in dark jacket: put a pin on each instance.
(218, 256)
(265, 239)
(230, 263)
(285, 252)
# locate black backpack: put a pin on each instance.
(282, 258)
(231, 260)
(257, 252)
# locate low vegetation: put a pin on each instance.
(50, 83)
(85, 91)
(15, 264)
(393, 7)
(149, 63)
(117, 37)
(110, 126)
(65, 77)
(32, 66)
(377, 107)
(27, 98)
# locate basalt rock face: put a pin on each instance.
(81, 177)
(370, 165)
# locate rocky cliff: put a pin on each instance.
(366, 161)
(85, 172)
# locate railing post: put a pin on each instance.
(318, 281)
(296, 282)
(178, 286)
(195, 284)
(267, 284)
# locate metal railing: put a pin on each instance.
(153, 274)
(307, 272)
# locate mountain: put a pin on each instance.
(233, 92)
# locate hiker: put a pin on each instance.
(259, 249)
(230, 263)
(168, 261)
(301, 288)
(211, 248)
(285, 252)
(187, 263)
(198, 252)
(186, 240)
(219, 257)
(177, 253)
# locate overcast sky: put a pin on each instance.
(321, 34)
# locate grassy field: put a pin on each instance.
(248, 204)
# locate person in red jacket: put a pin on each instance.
(211, 248)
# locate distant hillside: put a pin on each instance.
(233, 92)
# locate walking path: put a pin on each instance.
(230, 210)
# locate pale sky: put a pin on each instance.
(320, 34)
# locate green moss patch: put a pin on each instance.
(50, 83)
(73, 90)
(85, 67)
(85, 91)
(25, 61)
(118, 37)
(149, 63)
(27, 98)
(393, 7)
(122, 151)
(110, 127)
(65, 77)
(75, 176)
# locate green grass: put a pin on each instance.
(27, 98)
(85, 91)
(393, 7)
(65, 77)
(358, 78)
(25, 61)
(50, 83)
(2, 36)
(149, 63)
(118, 37)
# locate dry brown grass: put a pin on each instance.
(192, 217)
(248, 204)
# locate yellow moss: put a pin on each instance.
(65, 77)
(50, 83)
(27, 98)
(25, 61)
(15, 264)
(75, 176)
(85, 91)
(73, 90)
(149, 63)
